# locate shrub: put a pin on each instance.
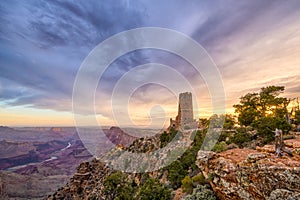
(187, 185)
(224, 135)
(199, 179)
(266, 125)
(219, 147)
(202, 192)
(176, 173)
(166, 137)
(153, 190)
(240, 138)
(188, 158)
(117, 186)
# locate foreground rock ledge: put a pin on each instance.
(250, 174)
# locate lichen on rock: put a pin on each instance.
(249, 174)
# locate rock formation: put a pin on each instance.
(117, 136)
(250, 174)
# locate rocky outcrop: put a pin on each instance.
(87, 182)
(117, 136)
(250, 174)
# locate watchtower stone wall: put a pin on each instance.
(185, 116)
(186, 108)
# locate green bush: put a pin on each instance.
(224, 135)
(117, 186)
(188, 158)
(199, 179)
(202, 192)
(240, 138)
(266, 125)
(187, 185)
(144, 178)
(198, 139)
(166, 137)
(229, 122)
(176, 173)
(153, 190)
(219, 147)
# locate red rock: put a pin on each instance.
(250, 174)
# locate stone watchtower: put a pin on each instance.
(185, 107)
(185, 116)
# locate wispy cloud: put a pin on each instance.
(43, 43)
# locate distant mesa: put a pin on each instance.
(56, 129)
(41, 129)
(6, 128)
(118, 137)
(185, 117)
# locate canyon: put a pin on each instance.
(34, 162)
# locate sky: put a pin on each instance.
(44, 43)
